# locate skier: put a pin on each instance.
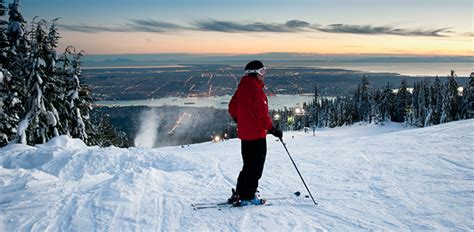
(249, 109)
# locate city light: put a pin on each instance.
(276, 117)
(299, 111)
(216, 139)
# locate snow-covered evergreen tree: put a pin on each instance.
(402, 103)
(375, 106)
(78, 100)
(34, 123)
(362, 99)
(436, 102)
(3, 34)
(40, 101)
(426, 103)
(314, 107)
(451, 100)
(470, 93)
(386, 103)
(413, 118)
(16, 26)
(13, 87)
(422, 106)
(349, 111)
(467, 105)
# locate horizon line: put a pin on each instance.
(283, 53)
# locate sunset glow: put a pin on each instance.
(423, 27)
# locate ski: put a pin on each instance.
(224, 204)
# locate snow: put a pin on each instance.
(147, 134)
(51, 118)
(364, 177)
(15, 27)
(22, 126)
(15, 101)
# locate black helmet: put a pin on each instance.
(254, 67)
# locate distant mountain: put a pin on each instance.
(177, 58)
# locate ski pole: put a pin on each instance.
(284, 145)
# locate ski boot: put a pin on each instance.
(234, 198)
(255, 201)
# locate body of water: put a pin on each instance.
(404, 68)
(433, 69)
(219, 102)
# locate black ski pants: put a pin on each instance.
(253, 155)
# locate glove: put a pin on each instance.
(235, 120)
(276, 132)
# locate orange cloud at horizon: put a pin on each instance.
(251, 43)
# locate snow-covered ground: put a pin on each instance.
(364, 177)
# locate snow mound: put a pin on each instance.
(361, 130)
(64, 142)
(364, 177)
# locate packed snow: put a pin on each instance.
(364, 177)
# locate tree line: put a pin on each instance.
(427, 103)
(42, 93)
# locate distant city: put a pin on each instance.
(177, 82)
(202, 80)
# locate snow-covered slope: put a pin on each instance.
(364, 177)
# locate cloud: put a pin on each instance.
(150, 25)
(90, 29)
(233, 27)
(291, 26)
(381, 30)
(134, 25)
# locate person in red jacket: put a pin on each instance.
(249, 108)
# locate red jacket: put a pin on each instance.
(249, 106)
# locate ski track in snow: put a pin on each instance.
(364, 177)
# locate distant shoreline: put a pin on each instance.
(275, 102)
(133, 66)
(409, 69)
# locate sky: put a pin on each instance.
(415, 27)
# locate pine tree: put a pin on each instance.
(415, 106)
(436, 101)
(375, 106)
(54, 85)
(468, 99)
(13, 87)
(363, 100)
(402, 103)
(78, 100)
(386, 103)
(107, 135)
(314, 107)
(451, 100)
(3, 72)
(3, 35)
(33, 127)
(422, 110)
(349, 111)
(428, 107)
